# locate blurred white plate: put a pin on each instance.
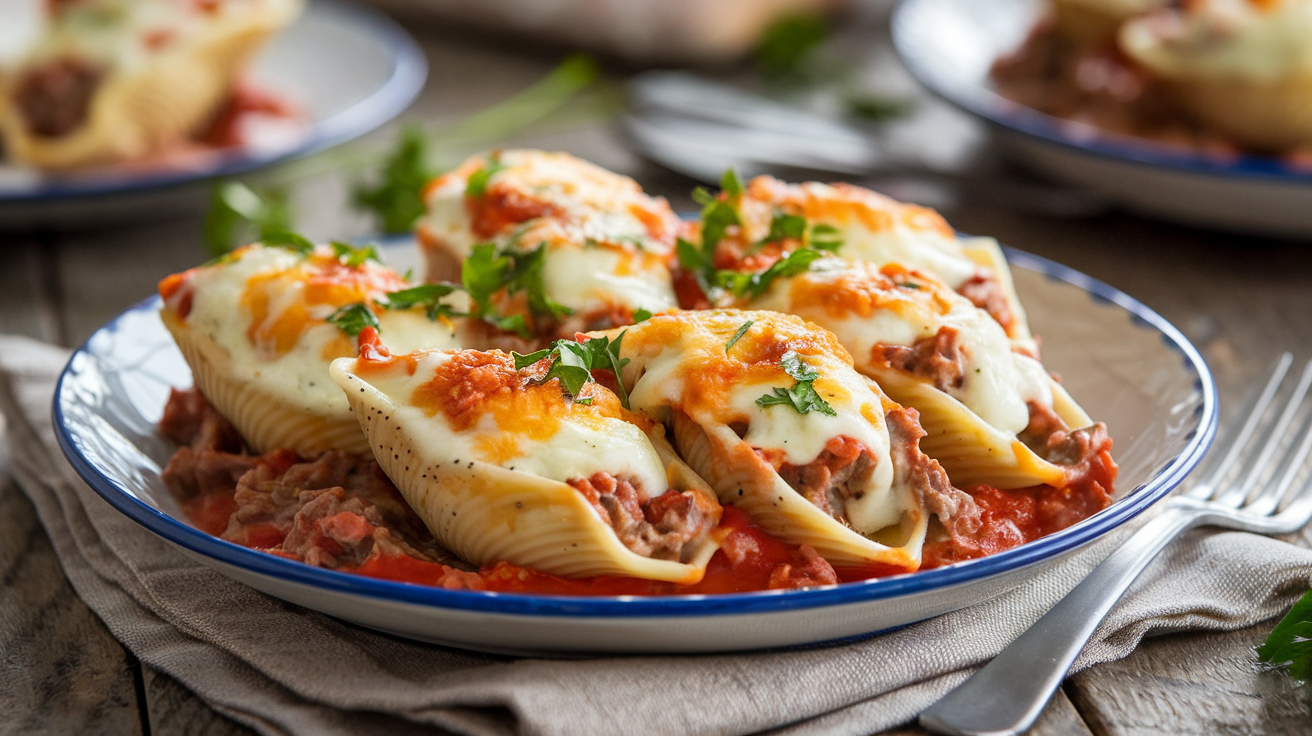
(1118, 357)
(950, 46)
(351, 69)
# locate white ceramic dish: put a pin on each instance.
(1124, 362)
(350, 68)
(950, 45)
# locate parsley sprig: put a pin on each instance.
(354, 256)
(489, 269)
(573, 362)
(476, 185)
(239, 214)
(425, 296)
(802, 396)
(1290, 643)
(396, 200)
(353, 318)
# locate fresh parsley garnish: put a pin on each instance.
(874, 109)
(239, 214)
(738, 335)
(786, 48)
(573, 362)
(751, 285)
(427, 296)
(802, 396)
(784, 226)
(289, 240)
(398, 199)
(826, 238)
(1290, 643)
(476, 186)
(488, 270)
(909, 285)
(717, 216)
(353, 256)
(353, 318)
(640, 315)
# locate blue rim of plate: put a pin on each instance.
(627, 607)
(405, 80)
(983, 102)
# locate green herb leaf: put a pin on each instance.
(752, 285)
(289, 240)
(786, 47)
(877, 109)
(1290, 643)
(826, 238)
(784, 226)
(640, 315)
(802, 397)
(737, 335)
(731, 184)
(427, 296)
(397, 201)
(354, 257)
(476, 187)
(909, 285)
(573, 362)
(488, 270)
(353, 318)
(524, 361)
(526, 276)
(239, 214)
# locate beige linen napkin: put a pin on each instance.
(285, 670)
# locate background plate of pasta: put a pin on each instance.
(111, 97)
(1197, 112)
(565, 420)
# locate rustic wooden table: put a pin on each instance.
(1240, 299)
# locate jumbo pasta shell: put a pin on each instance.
(742, 478)
(485, 513)
(987, 253)
(267, 421)
(1268, 116)
(969, 449)
(135, 113)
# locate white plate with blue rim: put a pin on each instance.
(350, 68)
(950, 46)
(1116, 356)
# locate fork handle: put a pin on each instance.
(1007, 694)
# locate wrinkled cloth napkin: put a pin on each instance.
(284, 670)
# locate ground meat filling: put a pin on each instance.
(955, 512)
(985, 291)
(671, 526)
(55, 98)
(940, 358)
(841, 471)
(1084, 453)
(212, 457)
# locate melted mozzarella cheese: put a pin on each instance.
(873, 227)
(1264, 42)
(679, 375)
(299, 374)
(998, 383)
(591, 276)
(584, 442)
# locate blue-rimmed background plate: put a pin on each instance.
(950, 46)
(1126, 364)
(350, 68)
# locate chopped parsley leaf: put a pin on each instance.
(398, 199)
(353, 318)
(289, 240)
(641, 315)
(802, 396)
(826, 238)
(752, 285)
(239, 214)
(731, 184)
(353, 257)
(476, 186)
(1290, 644)
(488, 270)
(573, 362)
(427, 296)
(737, 336)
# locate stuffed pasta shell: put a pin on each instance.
(768, 409)
(116, 80)
(260, 327)
(597, 246)
(504, 464)
(991, 414)
(862, 225)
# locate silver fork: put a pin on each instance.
(1007, 695)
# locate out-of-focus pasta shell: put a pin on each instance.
(136, 113)
(969, 449)
(265, 420)
(987, 253)
(1269, 116)
(742, 478)
(485, 513)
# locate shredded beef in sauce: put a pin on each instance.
(843, 468)
(663, 529)
(939, 358)
(985, 291)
